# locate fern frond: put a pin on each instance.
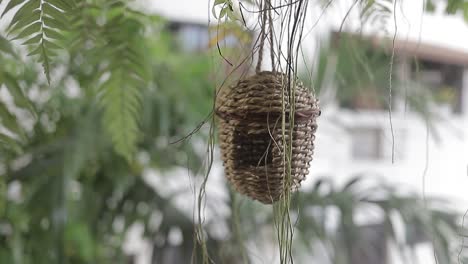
(121, 102)
(19, 98)
(85, 29)
(40, 23)
(128, 71)
(8, 121)
(12, 135)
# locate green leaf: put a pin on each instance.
(52, 34)
(48, 18)
(54, 23)
(19, 97)
(216, 3)
(7, 142)
(61, 4)
(54, 13)
(231, 15)
(35, 51)
(51, 45)
(121, 103)
(120, 95)
(25, 11)
(33, 40)
(223, 13)
(29, 30)
(5, 46)
(12, 4)
(8, 120)
(81, 238)
(26, 21)
(44, 56)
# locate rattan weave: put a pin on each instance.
(251, 134)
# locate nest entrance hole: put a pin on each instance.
(253, 149)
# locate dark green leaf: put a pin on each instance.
(121, 108)
(26, 21)
(44, 56)
(54, 23)
(35, 51)
(19, 97)
(25, 11)
(8, 120)
(11, 4)
(7, 142)
(33, 40)
(223, 13)
(52, 33)
(29, 30)
(61, 4)
(5, 46)
(52, 45)
(231, 15)
(54, 13)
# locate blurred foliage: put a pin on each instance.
(328, 223)
(12, 135)
(39, 24)
(75, 151)
(451, 7)
(349, 242)
(356, 73)
(358, 70)
(75, 142)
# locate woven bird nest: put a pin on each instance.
(251, 134)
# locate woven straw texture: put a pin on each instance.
(251, 136)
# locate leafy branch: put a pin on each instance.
(39, 23)
(127, 71)
(12, 135)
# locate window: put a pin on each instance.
(197, 37)
(366, 143)
(444, 80)
(190, 37)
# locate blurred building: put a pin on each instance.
(429, 156)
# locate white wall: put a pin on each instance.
(447, 157)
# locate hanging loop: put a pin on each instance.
(266, 18)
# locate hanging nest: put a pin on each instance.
(251, 134)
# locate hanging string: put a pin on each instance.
(272, 46)
(262, 39)
(266, 14)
